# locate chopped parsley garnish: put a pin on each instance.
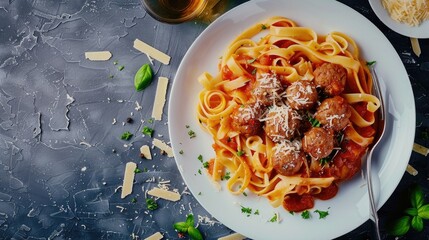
(199, 171)
(133, 200)
(322, 214)
(150, 120)
(291, 212)
(274, 218)
(126, 136)
(256, 212)
(151, 204)
(245, 194)
(120, 68)
(240, 153)
(111, 76)
(305, 214)
(424, 135)
(370, 63)
(206, 164)
(200, 157)
(263, 26)
(324, 161)
(191, 134)
(246, 210)
(181, 151)
(314, 122)
(226, 176)
(147, 131)
(115, 63)
(254, 71)
(137, 170)
(187, 126)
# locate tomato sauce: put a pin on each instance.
(298, 203)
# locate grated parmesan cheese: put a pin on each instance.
(410, 12)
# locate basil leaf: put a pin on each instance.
(190, 220)
(181, 227)
(423, 211)
(401, 226)
(143, 77)
(417, 197)
(417, 223)
(194, 233)
(411, 211)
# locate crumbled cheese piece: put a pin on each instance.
(145, 151)
(85, 143)
(155, 236)
(127, 185)
(151, 51)
(161, 92)
(234, 236)
(98, 56)
(411, 170)
(138, 106)
(163, 146)
(420, 149)
(164, 194)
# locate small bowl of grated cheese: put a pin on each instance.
(406, 17)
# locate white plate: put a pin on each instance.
(421, 31)
(350, 208)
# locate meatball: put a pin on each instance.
(331, 77)
(302, 95)
(318, 142)
(281, 123)
(288, 157)
(245, 119)
(334, 113)
(267, 89)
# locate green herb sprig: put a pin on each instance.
(187, 227)
(414, 215)
(143, 77)
(151, 204)
(147, 131)
(126, 136)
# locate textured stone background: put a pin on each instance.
(61, 118)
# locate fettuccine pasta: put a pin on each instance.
(290, 111)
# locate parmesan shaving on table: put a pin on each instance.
(420, 149)
(151, 51)
(233, 236)
(411, 170)
(163, 146)
(410, 12)
(155, 236)
(416, 46)
(98, 56)
(160, 95)
(164, 194)
(127, 186)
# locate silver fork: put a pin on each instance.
(381, 121)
